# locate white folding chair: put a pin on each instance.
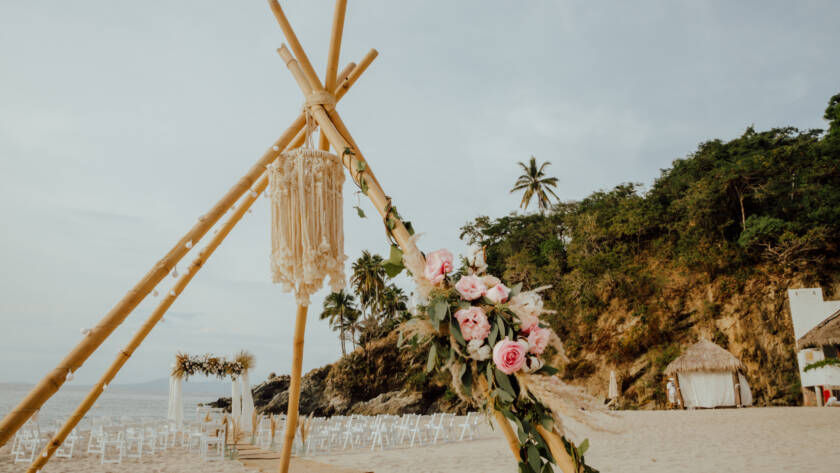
(213, 442)
(112, 439)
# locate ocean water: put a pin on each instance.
(115, 401)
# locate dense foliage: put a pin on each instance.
(766, 202)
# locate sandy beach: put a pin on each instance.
(744, 440)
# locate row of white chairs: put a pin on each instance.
(355, 432)
(113, 439)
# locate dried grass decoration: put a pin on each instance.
(307, 222)
(209, 365)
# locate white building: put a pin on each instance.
(816, 323)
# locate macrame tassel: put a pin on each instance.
(307, 228)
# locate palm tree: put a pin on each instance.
(340, 309)
(368, 281)
(394, 303)
(535, 183)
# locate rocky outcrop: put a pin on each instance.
(379, 378)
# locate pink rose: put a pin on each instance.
(470, 287)
(438, 264)
(497, 294)
(509, 356)
(473, 323)
(538, 340)
(490, 281)
(528, 322)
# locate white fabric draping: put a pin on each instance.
(247, 402)
(235, 401)
(175, 411)
(746, 393)
(707, 389)
(613, 391)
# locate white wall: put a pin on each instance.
(807, 310)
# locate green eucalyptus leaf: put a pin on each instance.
(430, 364)
(466, 380)
(359, 211)
(504, 395)
(391, 269)
(534, 458)
(363, 185)
(494, 334)
(441, 307)
(547, 370)
(583, 447)
(455, 330)
(503, 382)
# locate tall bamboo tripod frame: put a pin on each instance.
(333, 133)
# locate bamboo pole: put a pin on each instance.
(80, 353)
(289, 33)
(294, 389)
(332, 57)
(510, 435)
(349, 76)
(558, 450)
(352, 162)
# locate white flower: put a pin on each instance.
(475, 259)
(532, 363)
(490, 281)
(526, 305)
(478, 350)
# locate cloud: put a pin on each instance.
(130, 125)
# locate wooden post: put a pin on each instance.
(555, 444)
(679, 391)
(349, 79)
(510, 435)
(294, 389)
(80, 353)
(332, 57)
(736, 385)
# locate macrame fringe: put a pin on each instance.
(307, 221)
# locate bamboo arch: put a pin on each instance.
(333, 133)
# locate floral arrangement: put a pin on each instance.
(209, 365)
(500, 354)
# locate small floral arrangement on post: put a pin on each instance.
(500, 354)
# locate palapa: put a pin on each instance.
(704, 356)
(826, 332)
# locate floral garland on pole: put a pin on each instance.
(490, 338)
(209, 365)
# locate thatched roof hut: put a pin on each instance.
(707, 376)
(704, 356)
(826, 332)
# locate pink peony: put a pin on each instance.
(509, 356)
(470, 287)
(528, 322)
(538, 340)
(438, 264)
(497, 294)
(473, 323)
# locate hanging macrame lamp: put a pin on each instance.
(307, 222)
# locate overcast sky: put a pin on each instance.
(122, 122)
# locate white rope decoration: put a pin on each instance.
(307, 220)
